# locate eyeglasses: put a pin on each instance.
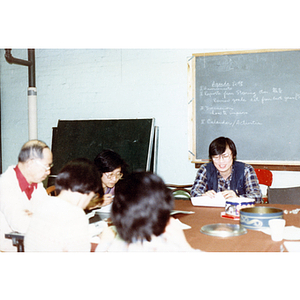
(224, 156)
(46, 168)
(111, 175)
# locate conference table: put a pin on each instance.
(252, 241)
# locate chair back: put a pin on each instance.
(51, 191)
(264, 176)
(289, 195)
(182, 191)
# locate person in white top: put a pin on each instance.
(59, 224)
(21, 188)
(141, 217)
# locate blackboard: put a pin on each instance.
(252, 97)
(133, 139)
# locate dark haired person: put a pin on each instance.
(59, 223)
(112, 167)
(21, 188)
(142, 218)
(226, 175)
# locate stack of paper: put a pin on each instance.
(217, 201)
(96, 228)
(292, 246)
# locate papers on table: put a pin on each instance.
(106, 208)
(292, 246)
(182, 225)
(174, 212)
(289, 233)
(90, 214)
(218, 201)
(96, 228)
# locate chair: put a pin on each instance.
(17, 240)
(51, 191)
(181, 191)
(264, 177)
(288, 195)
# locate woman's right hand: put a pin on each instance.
(210, 194)
(107, 199)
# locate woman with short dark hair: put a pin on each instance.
(226, 175)
(140, 202)
(79, 175)
(112, 168)
(59, 223)
(141, 216)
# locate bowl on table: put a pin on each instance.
(258, 217)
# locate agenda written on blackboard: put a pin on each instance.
(253, 98)
(227, 99)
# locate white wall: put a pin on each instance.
(101, 84)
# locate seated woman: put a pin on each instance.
(142, 218)
(226, 175)
(112, 167)
(59, 223)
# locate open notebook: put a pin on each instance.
(218, 201)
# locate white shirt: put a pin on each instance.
(13, 206)
(58, 225)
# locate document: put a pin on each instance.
(218, 201)
(292, 246)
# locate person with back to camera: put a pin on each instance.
(112, 167)
(226, 175)
(141, 216)
(59, 223)
(21, 188)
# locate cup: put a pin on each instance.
(277, 228)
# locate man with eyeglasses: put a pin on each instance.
(226, 175)
(21, 188)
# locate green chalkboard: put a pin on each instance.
(252, 97)
(131, 138)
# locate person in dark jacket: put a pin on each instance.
(226, 175)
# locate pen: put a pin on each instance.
(229, 217)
